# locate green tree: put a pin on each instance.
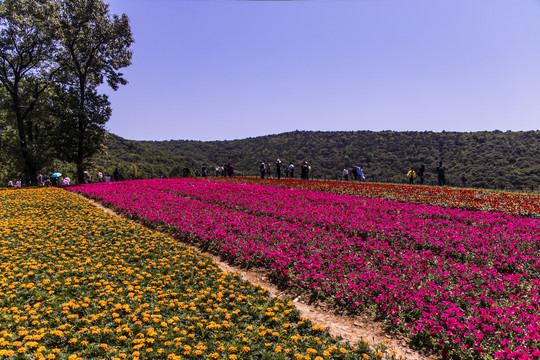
(28, 48)
(73, 143)
(95, 45)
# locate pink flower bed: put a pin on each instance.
(464, 282)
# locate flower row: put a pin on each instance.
(433, 283)
(78, 283)
(474, 199)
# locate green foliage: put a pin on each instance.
(502, 160)
(71, 47)
(27, 69)
(137, 160)
(95, 45)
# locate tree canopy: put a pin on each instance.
(54, 55)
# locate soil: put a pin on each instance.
(351, 328)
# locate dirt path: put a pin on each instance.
(350, 328)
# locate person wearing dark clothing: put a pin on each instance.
(422, 173)
(355, 173)
(203, 170)
(262, 169)
(441, 170)
(116, 175)
(304, 171)
(268, 168)
(278, 168)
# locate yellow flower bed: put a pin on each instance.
(77, 283)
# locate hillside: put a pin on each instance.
(137, 159)
(503, 160)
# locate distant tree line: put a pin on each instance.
(54, 56)
(489, 159)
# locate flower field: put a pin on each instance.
(77, 283)
(464, 283)
(473, 199)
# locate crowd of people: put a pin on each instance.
(57, 179)
(421, 174)
(266, 170)
(223, 170)
(357, 173)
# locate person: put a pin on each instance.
(116, 175)
(262, 169)
(54, 180)
(278, 168)
(217, 170)
(441, 174)
(411, 175)
(268, 169)
(100, 176)
(18, 184)
(10, 183)
(291, 170)
(355, 173)
(304, 171)
(47, 183)
(345, 174)
(422, 174)
(66, 181)
(203, 170)
(222, 170)
(360, 173)
(40, 180)
(196, 172)
(231, 170)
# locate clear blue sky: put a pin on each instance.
(225, 69)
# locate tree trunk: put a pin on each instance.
(80, 133)
(29, 166)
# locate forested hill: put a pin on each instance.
(503, 160)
